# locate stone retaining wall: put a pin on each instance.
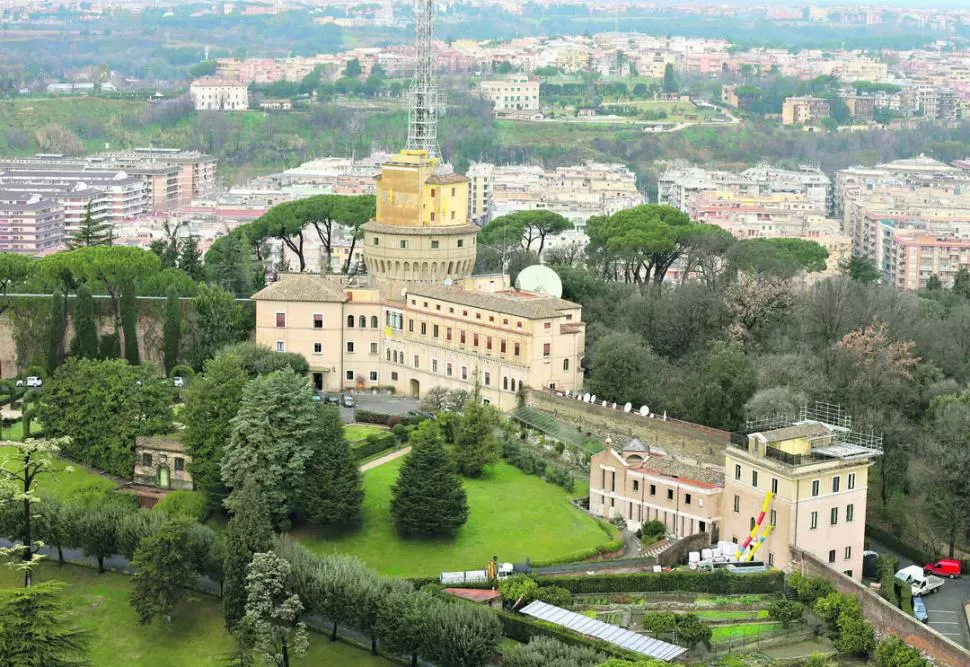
(703, 444)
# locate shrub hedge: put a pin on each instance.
(373, 444)
(533, 464)
(718, 582)
(368, 417)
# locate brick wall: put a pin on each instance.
(704, 444)
(887, 619)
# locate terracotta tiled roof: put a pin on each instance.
(171, 442)
(474, 594)
(302, 287)
(445, 179)
(513, 302)
(706, 478)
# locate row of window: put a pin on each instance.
(816, 484)
(847, 553)
(396, 357)
(351, 376)
(435, 245)
(636, 487)
(146, 460)
(317, 323)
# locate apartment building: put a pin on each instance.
(114, 197)
(514, 92)
(576, 192)
(804, 110)
(817, 469)
(480, 179)
(212, 94)
(678, 186)
(916, 256)
(641, 485)
(197, 171)
(776, 215)
(30, 224)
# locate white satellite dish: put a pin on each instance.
(627, 407)
(644, 411)
(539, 279)
(604, 403)
(592, 399)
(586, 397)
(449, 282)
(614, 405)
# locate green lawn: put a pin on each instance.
(196, 636)
(355, 432)
(16, 431)
(513, 516)
(720, 633)
(66, 477)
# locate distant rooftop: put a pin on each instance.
(513, 302)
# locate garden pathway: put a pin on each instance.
(384, 459)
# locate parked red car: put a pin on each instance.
(943, 568)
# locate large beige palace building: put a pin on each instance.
(419, 319)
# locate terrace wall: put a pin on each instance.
(704, 444)
(886, 618)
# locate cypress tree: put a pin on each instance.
(85, 342)
(190, 258)
(248, 532)
(332, 491)
(172, 333)
(428, 499)
(129, 322)
(55, 351)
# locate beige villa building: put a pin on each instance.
(818, 471)
(419, 319)
(640, 485)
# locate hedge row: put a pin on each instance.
(523, 628)
(368, 417)
(373, 445)
(719, 582)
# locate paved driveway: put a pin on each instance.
(944, 607)
(389, 405)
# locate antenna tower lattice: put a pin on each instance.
(423, 95)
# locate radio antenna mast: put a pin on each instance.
(423, 94)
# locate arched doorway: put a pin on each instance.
(415, 389)
(163, 477)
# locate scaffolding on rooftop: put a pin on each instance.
(844, 439)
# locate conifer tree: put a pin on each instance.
(190, 258)
(85, 342)
(90, 232)
(172, 332)
(272, 440)
(332, 490)
(32, 630)
(249, 532)
(475, 443)
(129, 322)
(428, 499)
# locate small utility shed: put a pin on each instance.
(614, 634)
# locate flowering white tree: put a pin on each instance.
(273, 611)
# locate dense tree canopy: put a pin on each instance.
(526, 228)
